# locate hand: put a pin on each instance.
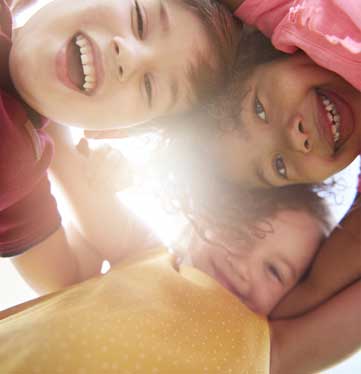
(105, 168)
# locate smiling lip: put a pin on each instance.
(62, 70)
(324, 125)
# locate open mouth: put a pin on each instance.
(330, 119)
(81, 64)
(335, 117)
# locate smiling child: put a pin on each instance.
(99, 65)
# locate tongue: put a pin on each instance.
(75, 68)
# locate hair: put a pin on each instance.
(185, 166)
(224, 32)
(207, 77)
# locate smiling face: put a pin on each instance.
(261, 275)
(299, 123)
(102, 64)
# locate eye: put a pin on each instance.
(140, 20)
(280, 166)
(274, 272)
(259, 110)
(148, 89)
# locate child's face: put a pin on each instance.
(137, 53)
(261, 275)
(286, 132)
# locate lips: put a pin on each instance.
(326, 126)
(79, 65)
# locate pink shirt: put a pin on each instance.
(28, 212)
(329, 31)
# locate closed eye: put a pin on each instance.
(273, 271)
(280, 166)
(148, 87)
(140, 20)
(259, 110)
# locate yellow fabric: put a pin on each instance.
(144, 316)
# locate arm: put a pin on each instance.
(98, 214)
(59, 261)
(320, 338)
(336, 266)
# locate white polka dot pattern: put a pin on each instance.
(141, 317)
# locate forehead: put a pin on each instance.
(295, 235)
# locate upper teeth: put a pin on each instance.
(87, 60)
(333, 116)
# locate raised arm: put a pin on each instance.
(320, 338)
(337, 265)
(63, 259)
(90, 188)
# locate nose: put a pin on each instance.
(299, 137)
(129, 56)
(241, 267)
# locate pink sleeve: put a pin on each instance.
(266, 15)
(329, 31)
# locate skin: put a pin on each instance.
(141, 71)
(284, 123)
(330, 273)
(262, 274)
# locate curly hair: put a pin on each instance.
(185, 165)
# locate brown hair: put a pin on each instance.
(224, 32)
(185, 165)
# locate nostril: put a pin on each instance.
(121, 71)
(307, 145)
(300, 127)
(116, 48)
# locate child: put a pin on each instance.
(305, 25)
(163, 300)
(262, 272)
(299, 123)
(77, 71)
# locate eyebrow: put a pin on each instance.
(164, 17)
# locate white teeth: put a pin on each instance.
(88, 70)
(326, 101)
(87, 60)
(329, 107)
(333, 116)
(89, 78)
(88, 85)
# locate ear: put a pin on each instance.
(106, 134)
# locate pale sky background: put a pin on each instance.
(14, 290)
